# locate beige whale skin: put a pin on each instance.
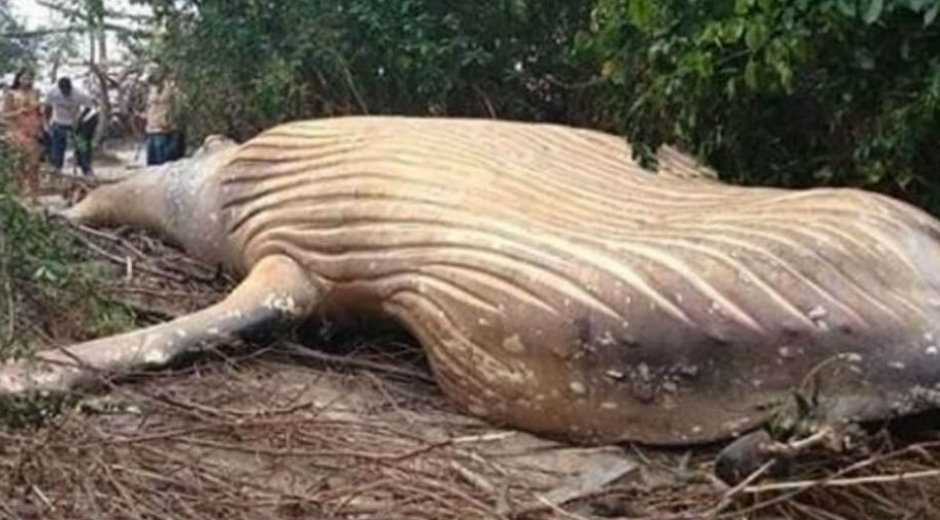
(555, 285)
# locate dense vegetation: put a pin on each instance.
(247, 65)
(783, 92)
(11, 50)
(49, 290)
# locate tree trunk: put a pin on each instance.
(104, 116)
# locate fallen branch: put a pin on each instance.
(123, 263)
(842, 482)
(299, 350)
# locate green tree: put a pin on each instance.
(246, 64)
(14, 49)
(781, 92)
(94, 21)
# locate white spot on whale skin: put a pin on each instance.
(514, 345)
(851, 357)
(577, 388)
(608, 405)
(614, 374)
(281, 302)
(714, 308)
(932, 350)
(818, 314)
(157, 357)
(687, 370)
(478, 410)
(736, 424)
(897, 365)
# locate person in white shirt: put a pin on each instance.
(63, 107)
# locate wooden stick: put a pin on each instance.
(843, 482)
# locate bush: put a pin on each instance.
(47, 291)
(794, 93)
(245, 66)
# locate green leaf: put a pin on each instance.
(741, 7)
(750, 75)
(731, 88)
(642, 14)
(873, 13)
(931, 15)
(785, 72)
(756, 34)
(847, 7)
(736, 29)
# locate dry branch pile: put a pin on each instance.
(362, 432)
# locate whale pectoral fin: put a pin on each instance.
(276, 293)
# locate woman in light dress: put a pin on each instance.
(21, 118)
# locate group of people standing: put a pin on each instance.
(40, 127)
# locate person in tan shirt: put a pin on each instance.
(21, 125)
(164, 139)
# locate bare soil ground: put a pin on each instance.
(352, 426)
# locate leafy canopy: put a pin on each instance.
(797, 92)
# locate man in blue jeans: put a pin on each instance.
(63, 106)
